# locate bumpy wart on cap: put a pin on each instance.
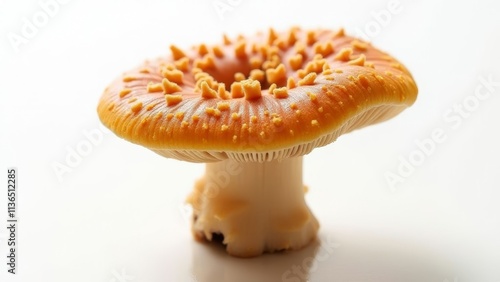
(270, 96)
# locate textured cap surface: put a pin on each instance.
(270, 96)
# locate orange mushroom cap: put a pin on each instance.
(297, 90)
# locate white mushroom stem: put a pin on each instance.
(257, 207)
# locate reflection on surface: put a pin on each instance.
(212, 263)
(343, 257)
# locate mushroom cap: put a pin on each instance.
(269, 96)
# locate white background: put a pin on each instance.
(118, 214)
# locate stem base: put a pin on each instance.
(256, 207)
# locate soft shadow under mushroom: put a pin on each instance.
(347, 256)
(211, 263)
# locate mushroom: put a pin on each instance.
(251, 108)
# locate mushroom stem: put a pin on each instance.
(257, 207)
